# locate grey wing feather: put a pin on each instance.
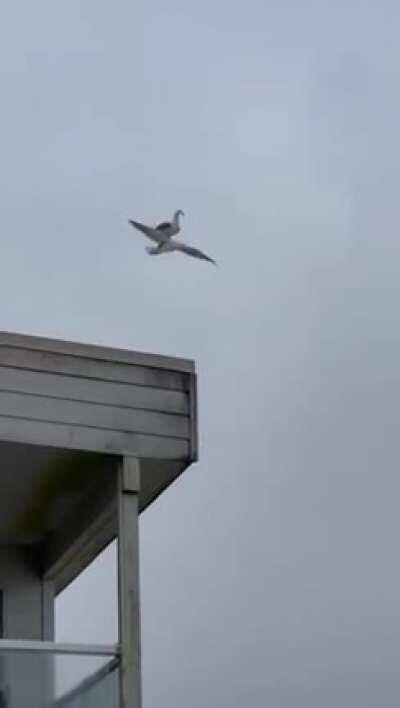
(195, 253)
(147, 231)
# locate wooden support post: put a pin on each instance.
(47, 611)
(128, 582)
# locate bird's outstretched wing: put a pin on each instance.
(190, 251)
(148, 231)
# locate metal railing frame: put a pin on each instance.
(33, 647)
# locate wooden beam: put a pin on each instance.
(79, 437)
(128, 583)
(90, 351)
(48, 611)
(85, 533)
(194, 436)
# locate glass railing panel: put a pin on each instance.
(57, 679)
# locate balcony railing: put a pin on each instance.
(53, 675)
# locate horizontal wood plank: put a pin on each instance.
(92, 351)
(95, 415)
(92, 439)
(93, 391)
(93, 369)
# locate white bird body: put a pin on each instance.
(163, 234)
(166, 247)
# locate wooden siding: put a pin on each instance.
(83, 397)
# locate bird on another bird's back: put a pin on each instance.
(163, 235)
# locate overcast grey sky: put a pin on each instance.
(270, 571)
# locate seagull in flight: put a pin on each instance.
(163, 235)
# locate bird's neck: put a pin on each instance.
(176, 219)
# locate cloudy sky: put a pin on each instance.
(270, 571)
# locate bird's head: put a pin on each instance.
(177, 215)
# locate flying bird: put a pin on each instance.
(163, 235)
(171, 228)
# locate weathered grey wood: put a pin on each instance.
(93, 391)
(130, 476)
(48, 631)
(83, 535)
(140, 412)
(81, 397)
(21, 584)
(48, 611)
(91, 351)
(75, 437)
(92, 368)
(128, 583)
(95, 415)
(193, 431)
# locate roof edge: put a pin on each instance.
(94, 351)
